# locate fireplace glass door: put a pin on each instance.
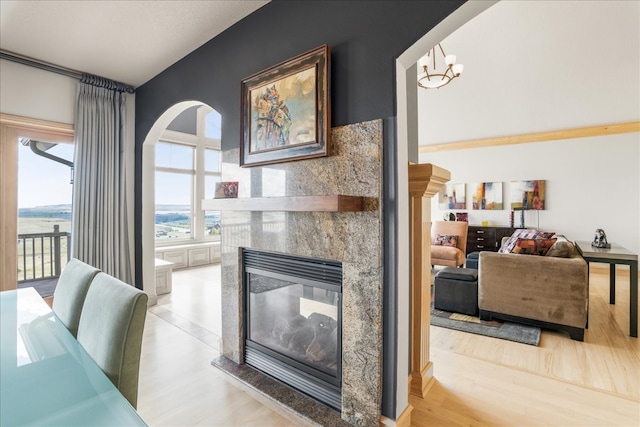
(293, 325)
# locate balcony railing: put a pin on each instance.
(42, 255)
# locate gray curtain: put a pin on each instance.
(100, 222)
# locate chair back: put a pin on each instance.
(110, 330)
(71, 291)
(456, 228)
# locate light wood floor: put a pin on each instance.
(481, 381)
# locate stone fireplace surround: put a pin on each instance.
(354, 238)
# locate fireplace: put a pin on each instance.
(293, 321)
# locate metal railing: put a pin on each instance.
(42, 255)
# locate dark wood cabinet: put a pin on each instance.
(486, 238)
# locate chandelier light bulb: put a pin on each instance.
(424, 61)
(450, 59)
(457, 69)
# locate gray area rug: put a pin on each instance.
(494, 328)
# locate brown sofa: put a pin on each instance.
(545, 291)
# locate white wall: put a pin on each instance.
(543, 66)
(590, 183)
(38, 94)
(30, 92)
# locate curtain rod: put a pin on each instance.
(46, 66)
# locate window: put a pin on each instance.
(187, 169)
(174, 191)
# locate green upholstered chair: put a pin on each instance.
(71, 291)
(110, 330)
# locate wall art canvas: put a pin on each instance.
(285, 111)
(452, 196)
(528, 195)
(486, 196)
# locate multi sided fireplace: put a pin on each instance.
(293, 321)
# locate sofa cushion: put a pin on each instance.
(447, 253)
(446, 240)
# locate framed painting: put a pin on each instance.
(452, 196)
(527, 195)
(285, 111)
(487, 196)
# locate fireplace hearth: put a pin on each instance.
(293, 324)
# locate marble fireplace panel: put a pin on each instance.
(354, 238)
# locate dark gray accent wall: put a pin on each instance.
(186, 122)
(365, 37)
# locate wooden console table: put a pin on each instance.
(616, 255)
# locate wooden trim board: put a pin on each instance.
(556, 135)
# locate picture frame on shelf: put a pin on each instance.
(286, 111)
(226, 190)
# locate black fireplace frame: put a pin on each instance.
(315, 272)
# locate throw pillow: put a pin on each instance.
(562, 248)
(446, 240)
(544, 244)
(525, 247)
(522, 233)
(532, 246)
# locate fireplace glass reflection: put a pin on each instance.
(293, 309)
(298, 321)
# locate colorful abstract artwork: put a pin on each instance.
(486, 196)
(528, 195)
(452, 196)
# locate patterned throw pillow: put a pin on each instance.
(522, 233)
(537, 246)
(544, 244)
(446, 240)
(525, 247)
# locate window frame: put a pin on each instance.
(200, 143)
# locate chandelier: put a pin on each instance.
(432, 78)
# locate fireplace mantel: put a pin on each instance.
(331, 203)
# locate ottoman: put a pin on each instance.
(472, 260)
(456, 290)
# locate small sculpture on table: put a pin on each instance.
(600, 240)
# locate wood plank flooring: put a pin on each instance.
(481, 381)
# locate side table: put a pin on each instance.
(612, 256)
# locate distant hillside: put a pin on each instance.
(50, 211)
(165, 213)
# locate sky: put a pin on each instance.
(42, 181)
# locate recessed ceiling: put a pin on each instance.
(127, 41)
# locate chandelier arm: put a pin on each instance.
(432, 78)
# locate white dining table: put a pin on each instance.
(46, 377)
